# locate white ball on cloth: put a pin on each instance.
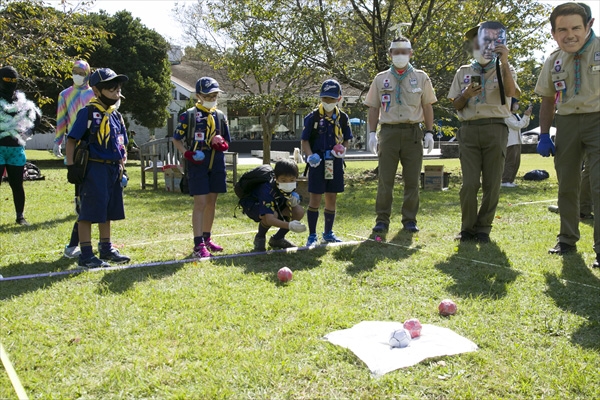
(400, 338)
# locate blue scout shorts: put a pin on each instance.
(202, 181)
(101, 194)
(317, 183)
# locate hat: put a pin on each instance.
(331, 88)
(471, 33)
(207, 85)
(8, 72)
(106, 75)
(83, 65)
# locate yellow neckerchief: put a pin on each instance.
(211, 128)
(337, 129)
(104, 132)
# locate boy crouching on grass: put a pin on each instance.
(100, 190)
(278, 205)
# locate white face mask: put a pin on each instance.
(287, 187)
(209, 104)
(328, 107)
(400, 60)
(78, 80)
(118, 104)
(479, 57)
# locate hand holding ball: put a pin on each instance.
(447, 307)
(284, 275)
(198, 155)
(338, 151)
(413, 326)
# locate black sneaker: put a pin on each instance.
(562, 248)
(92, 262)
(465, 236)
(23, 221)
(411, 227)
(596, 263)
(260, 243)
(381, 227)
(280, 243)
(114, 256)
(483, 237)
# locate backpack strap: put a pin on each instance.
(191, 119)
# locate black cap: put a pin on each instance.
(106, 75)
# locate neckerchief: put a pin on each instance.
(482, 71)
(400, 77)
(335, 121)
(211, 128)
(578, 61)
(104, 131)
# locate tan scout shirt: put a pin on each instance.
(416, 91)
(492, 106)
(559, 69)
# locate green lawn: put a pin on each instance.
(227, 329)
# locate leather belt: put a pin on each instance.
(113, 162)
(402, 125)
(485, 121)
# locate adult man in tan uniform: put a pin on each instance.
(570, 84)
(483, 135)
(399, 99)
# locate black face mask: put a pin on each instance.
(7, 89)
(106, 101)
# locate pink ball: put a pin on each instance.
(447, 307)
(414, 327)
(339, 148)
(284, 275)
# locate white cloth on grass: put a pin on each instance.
(369, 341)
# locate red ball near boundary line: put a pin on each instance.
(284, 275)
(414, 326)
(447, 307)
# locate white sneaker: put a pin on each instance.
(508, 185)
(72, 252)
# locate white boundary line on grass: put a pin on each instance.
(12, 374)
(533, 202)
(145, 243)
(476, 261)
(172, 262)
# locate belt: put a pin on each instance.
(113, 162)
(402, 125)
(485, 121)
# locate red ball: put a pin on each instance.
(447, 307)
(414, 327)
(339, 148)
(284, 275)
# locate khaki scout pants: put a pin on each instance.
(512, 163)
(399, 143)
(482, 148)
(577, 137)
(585, 194)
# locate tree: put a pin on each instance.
(140, 53)
(272, 80)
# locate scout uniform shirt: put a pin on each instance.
(487, 104)
(415, 91)
(557, 80)
(325, 136)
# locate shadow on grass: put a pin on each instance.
(11, 289)
(479, 270)
(578, 299)
(14, 228)
(120, 281)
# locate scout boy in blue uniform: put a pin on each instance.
(100, 190)
(324, 140)
(202, 136)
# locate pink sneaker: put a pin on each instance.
(212, 246)
(201, 251)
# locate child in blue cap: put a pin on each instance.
(324, 140)
(100, 190)
(202, 136)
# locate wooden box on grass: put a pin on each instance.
(433, 177)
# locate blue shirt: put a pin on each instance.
(270, 199)
(325, 139)
(200, 131)
(116, 146)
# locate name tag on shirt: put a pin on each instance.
(417, 90)
(199, 136)
(596, 68)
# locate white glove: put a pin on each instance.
(294, 199)
(313, 160)
(373, 142)
(297, 226)
(429, 142)
(56, 150)
(339, 155)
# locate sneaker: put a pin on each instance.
(381, 227)
(201, 251)
(92, 262)
(562, 248)
(280, 243)
(260, 243)
(212, 246)
(330, 237)
(23, 221)
(114, 256)
(313, 240)
(482, 237)
(465, 236)
(553, 209)
(596, 263)
(411, 227)
(71, 251)
(508, 185)
(586, 216)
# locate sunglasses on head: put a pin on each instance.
(8, 79)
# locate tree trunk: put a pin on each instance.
(265, 121)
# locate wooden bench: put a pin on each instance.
(156, 153)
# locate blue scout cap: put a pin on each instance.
(106, 75)
(207, 85)
(331, 88)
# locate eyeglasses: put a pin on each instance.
(8, 79)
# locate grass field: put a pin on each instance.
(227, 329)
